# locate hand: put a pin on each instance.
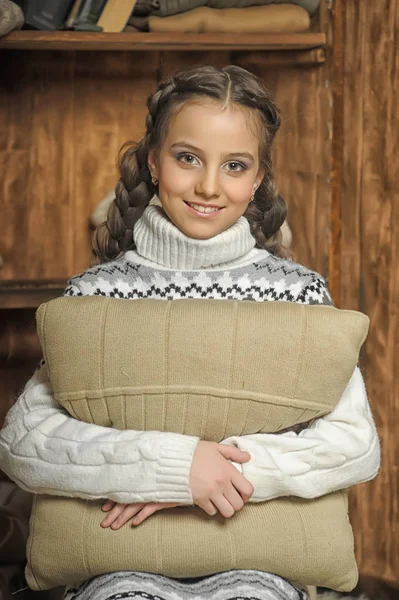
(216, 484)
(119, 514)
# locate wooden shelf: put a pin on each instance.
(29, 294)
(131, 41)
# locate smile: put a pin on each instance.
(203, 211)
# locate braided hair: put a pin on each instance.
(231, 85)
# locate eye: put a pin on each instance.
(187, 159)
(235, 167)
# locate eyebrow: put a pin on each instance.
(230, 154)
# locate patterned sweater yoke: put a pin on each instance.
(267, 279)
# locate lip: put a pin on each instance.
(211, 215)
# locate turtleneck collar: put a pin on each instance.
(157, 239)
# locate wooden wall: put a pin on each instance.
(365, 255)
(64, 115)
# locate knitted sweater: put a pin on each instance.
(45, 450)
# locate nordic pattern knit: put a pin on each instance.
(267, 279)
(232, 585)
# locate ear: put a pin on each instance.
(152, 163)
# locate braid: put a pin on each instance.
(134, 189)
(268, 211)
(132, 195)
(266, 215)
(158, 101)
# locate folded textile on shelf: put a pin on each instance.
(165, 8)
(285, 18)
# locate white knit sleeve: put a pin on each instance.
(335, 452)
(45, 450)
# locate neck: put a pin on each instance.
(157, 239)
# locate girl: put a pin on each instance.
(196, 215)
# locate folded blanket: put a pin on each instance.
(285, 18)
(165, 8)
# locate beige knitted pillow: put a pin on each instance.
(192, 367)
(210, 368)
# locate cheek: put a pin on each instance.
(175, 180)
(239, 190)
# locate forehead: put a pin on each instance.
(209, 125)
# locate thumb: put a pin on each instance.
(233, 453)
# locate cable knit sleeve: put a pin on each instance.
(45, 450)
(335, 452)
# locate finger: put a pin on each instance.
(242, 485)
(150, 509)
(233, 453)
(113, 514)
(108, 505)
(130, 511)
(208, 507)
(223, 506)
(145, 512)
(234, 498)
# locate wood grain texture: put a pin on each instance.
(19, 354)
(337, 78)
(369, 267)
(127, 41)
(110, 93)
(36, 190)
(302, 156)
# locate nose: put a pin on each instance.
(208, 184)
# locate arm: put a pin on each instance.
(335, 452)
(45, 450)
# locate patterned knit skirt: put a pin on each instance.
(231, 585)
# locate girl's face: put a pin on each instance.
(208, 168)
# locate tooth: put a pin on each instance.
(203, 209)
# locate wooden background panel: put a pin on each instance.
(171, 62)
(302, 159)
(369, 265)
(20, 354)
(110, 93)
(39, 118)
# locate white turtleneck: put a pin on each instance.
(158, 240)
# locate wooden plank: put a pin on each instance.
(20, 354)
(299, 58)
(14, 166)
(171, 62)
(337, 76)
(307, 196)
(36, 187)
(301, 157)
(369, 264)
(71, 40)
(109, 109)
(29, 294)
